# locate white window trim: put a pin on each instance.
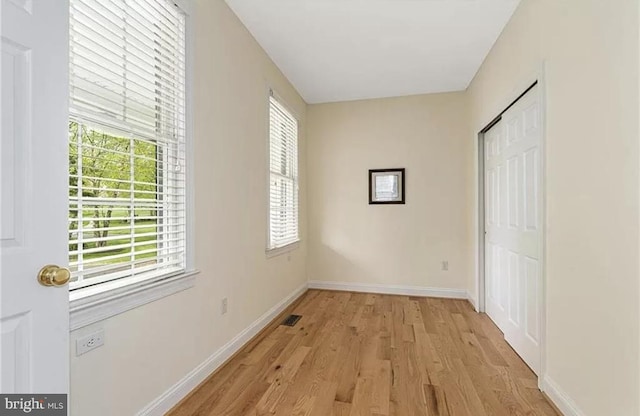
(277, 251)
(294, 245)
(102, 304)
(96, 303)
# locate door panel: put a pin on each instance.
(13, 157)
(531, 189)
(532, 274)
(34, 319)
(514, 287)
(512, 225)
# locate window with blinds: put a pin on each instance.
(127, 140)
(283, 176)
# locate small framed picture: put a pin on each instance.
(386, 186)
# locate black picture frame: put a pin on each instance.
(400, 172)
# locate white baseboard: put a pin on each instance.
(178, 391)
(562, 401)
(472, 301)
(389, 289)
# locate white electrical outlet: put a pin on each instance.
(224, 306)
(89, 342)
(445, 265)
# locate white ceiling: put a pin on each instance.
(340, 50)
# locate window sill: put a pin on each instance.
(274, 252)
(90, 305)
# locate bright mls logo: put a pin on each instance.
(33, 404)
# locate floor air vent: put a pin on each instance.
(291, 320)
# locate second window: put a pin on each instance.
(283, 176)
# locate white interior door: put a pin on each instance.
(513, 217)
(34, 319)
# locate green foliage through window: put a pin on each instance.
(118, 212)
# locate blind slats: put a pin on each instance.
(117, 247)
(93, 230)
(177, 252)
(120, 14)
(127, 140)
(283, 176)
(128, 64)
(87, 39)
(135, 183)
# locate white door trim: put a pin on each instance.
(539, 78)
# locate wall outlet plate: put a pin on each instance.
(445, 265)
(224, 307)
(89, 342)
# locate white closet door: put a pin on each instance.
(512, 223)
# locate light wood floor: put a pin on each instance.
(362, 354)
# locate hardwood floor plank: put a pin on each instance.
(341, 409)
(436, 400)
(324, 399)
(280, 380)
(381, 389)
(355, 354)
(350, 366)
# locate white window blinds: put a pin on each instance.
(126, 140)
(283, 176)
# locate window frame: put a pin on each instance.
(96, 303)
(277, 251)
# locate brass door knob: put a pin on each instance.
(52, 275)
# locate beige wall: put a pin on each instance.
(351, 241)
(590, 54)
(149, 349)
